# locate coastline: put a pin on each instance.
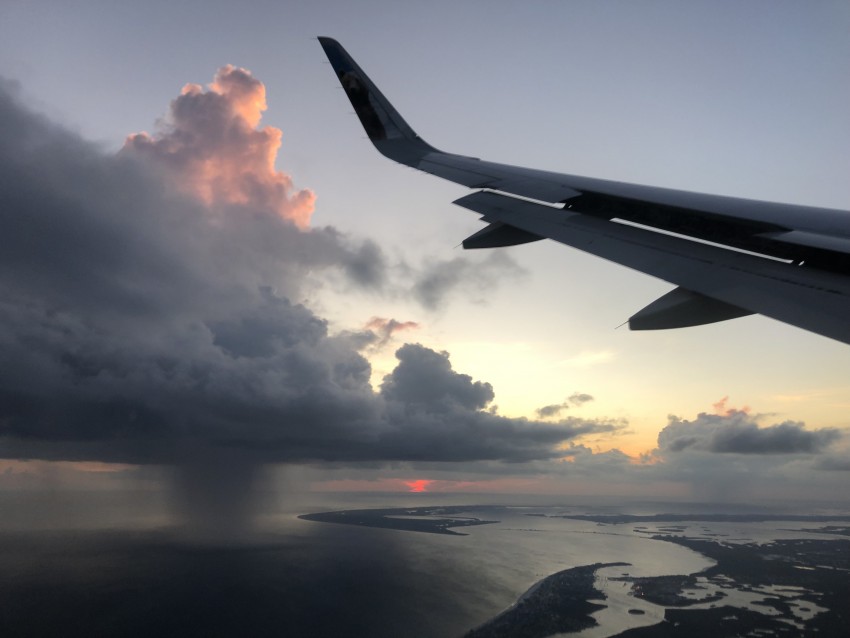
(750, 581)
(560, 603)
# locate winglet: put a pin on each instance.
(387, 130)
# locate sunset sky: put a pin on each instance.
(172, 279)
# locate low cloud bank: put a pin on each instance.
(738, 432)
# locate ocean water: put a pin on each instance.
(135, 575)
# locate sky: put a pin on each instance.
(204, 261)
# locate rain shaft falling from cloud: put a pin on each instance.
(146, 315)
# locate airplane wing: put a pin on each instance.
(728, 257)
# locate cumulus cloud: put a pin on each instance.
(148, 318)
(735, 456)
(691, 473)
(425, 379)
(210, 145)
(738, 432)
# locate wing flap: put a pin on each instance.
(498, 235)
(813, 299)
(682, 308)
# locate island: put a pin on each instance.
(430, 520)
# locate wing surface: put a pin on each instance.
(728, 256)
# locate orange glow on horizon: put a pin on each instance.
(418, 485)
(36, 465)
(501, 485)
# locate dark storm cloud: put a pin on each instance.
(737, 432)
(141, 323)
(425, 379)
(444, 409)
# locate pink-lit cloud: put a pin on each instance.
(211, 147)
(384, 329)
(721, 408)
(389, 326)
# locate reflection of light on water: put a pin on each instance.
(759, 599)
(430, 517)
(833, 568)
(786, 603)
(620, 606)
(520, 558)
(805, 610)
(731, 532)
